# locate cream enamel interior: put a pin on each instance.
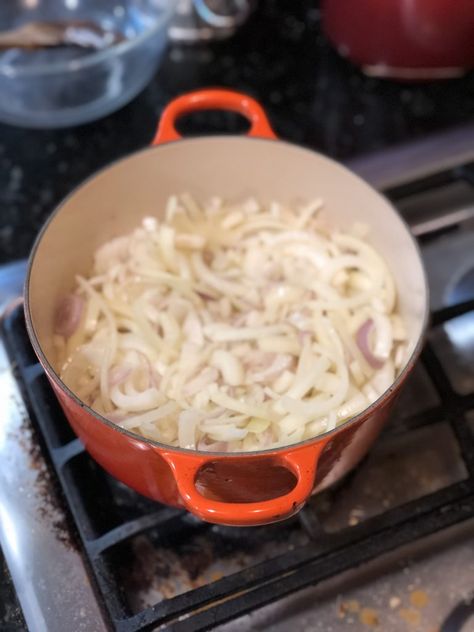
(114, 202)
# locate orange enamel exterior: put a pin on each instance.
(167, 474)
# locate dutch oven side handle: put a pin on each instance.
(212, 99)
(301, 461)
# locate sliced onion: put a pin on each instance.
(216, 446)
(220, 332)
(117, 416)
(236, 420)
(150, 417)
(227, 432)
(283, 382)
(240, 406)
(362, 339)
(68, 315)
(205, 296)
(257, 425)
(266, 438)
(192, 329)
(279, 344)
(307, 380)
(229, 332)
(229, 366)
(207, 376)
(280, 363)
(257, 360)
(154, 378)
(187, 424)
(118, 375)
(384, 378)
(304, 336)
(383, 343)
(136, 402)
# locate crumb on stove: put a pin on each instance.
(215, 577)
(355, 516)
(350, 606)
(368, 616)
(394, 602)
(418, 598)
(412, 617)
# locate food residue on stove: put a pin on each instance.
(419, 598)
(356, 515)
(369, 616)
(157, 572)
(352, 606)
(46, 485)
(410, 616)
(153, 568)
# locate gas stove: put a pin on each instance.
(390, 548)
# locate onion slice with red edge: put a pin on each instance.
(362, 339)
(118, 375)
(68, 315)
(280, 363)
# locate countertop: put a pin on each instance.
(312, 97)
(11, 618)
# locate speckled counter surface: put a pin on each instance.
(312, 96)
(11, 618)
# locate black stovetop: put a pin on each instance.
(312, 96)
(11, 617)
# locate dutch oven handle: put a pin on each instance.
(212, 99)
(302, 462)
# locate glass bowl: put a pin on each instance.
(68, 85)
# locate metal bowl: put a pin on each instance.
(68, 85)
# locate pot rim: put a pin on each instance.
(244, 454)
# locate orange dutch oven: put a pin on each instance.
(249, 488)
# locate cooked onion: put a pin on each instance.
(363, 343)
(68, 315)
(227, 328)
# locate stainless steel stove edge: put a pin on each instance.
(50, 576)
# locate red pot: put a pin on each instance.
(234, 489)
(403, 39)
